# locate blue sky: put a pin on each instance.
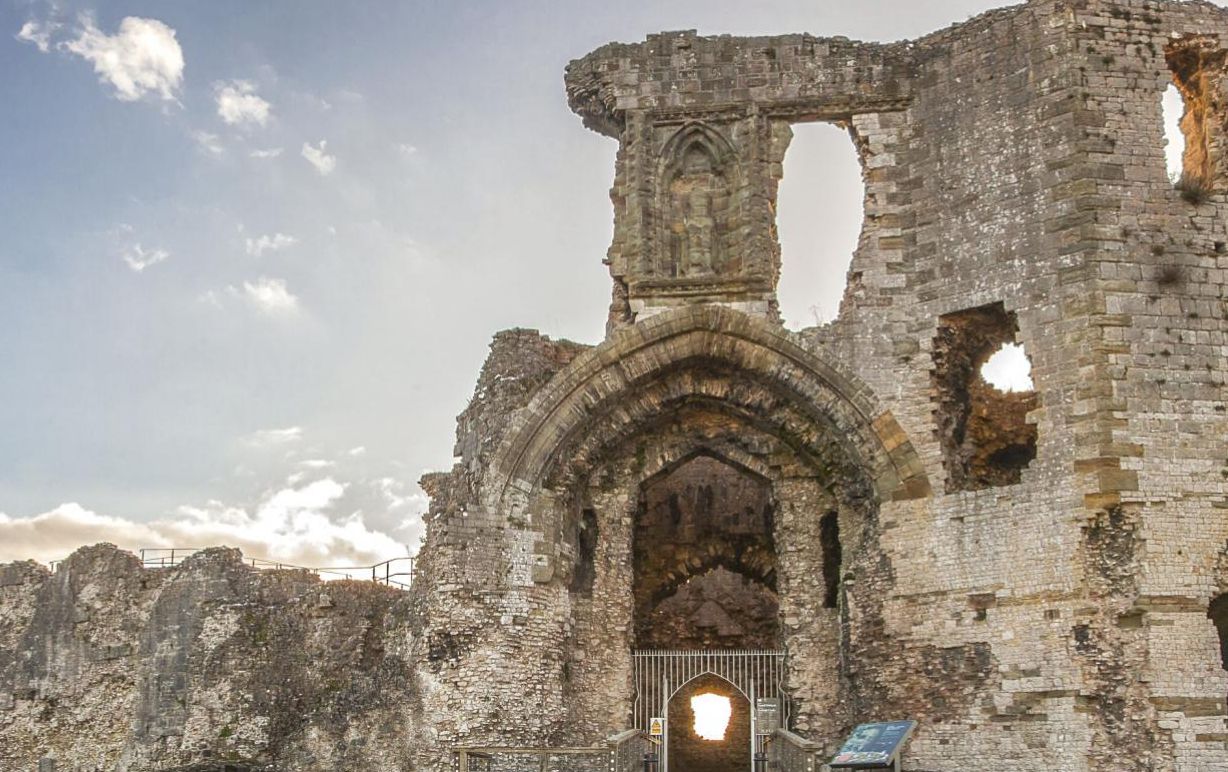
(254, 252)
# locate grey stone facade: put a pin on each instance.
(1033, 577)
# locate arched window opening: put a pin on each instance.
(820, 207)
(585, 569)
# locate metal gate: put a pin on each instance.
(659, 675)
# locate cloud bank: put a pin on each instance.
(296, 524)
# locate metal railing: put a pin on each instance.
(788, 752)
(623, 752)
(395, 572)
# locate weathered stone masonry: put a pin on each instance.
(1034, 577)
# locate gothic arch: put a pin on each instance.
(601, 383)
(698, 178)
(698, 135)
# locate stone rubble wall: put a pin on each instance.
(107, 665)
(1051, 618)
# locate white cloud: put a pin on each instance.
(238, 103)
(38, 34)
(293, 524)
(321, 160)
(257, 247)
(208, 143)
(264, 438)
(270, 296)
(139, 258)
(272, 152)
(143, 57)
(407, 149)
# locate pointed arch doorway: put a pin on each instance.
(666, 680)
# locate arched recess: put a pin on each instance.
(820, 399)
(687, 750)
(704, 558)
(696, 381)
(697, 181)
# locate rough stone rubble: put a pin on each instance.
(1037, 578)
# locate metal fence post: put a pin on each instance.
(650, 761)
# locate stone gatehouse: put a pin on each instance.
(1038, 578)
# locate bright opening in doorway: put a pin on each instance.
(712, 712)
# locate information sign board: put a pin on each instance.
(767, 715)
(873, 745)
(656, 727)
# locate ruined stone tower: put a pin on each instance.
(1026, 574)
(1038, 578)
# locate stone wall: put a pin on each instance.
(1029, 576)
(108, 665)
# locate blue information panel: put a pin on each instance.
(873, 745)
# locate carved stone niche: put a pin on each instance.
(696, 204)
(696, 251)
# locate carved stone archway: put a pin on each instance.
(604, 383)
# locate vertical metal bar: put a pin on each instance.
(753, 726)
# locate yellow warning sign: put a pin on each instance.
(656, 727)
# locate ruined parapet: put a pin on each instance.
(110, 665)
(703, 124)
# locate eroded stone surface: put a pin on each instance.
(1052, 616)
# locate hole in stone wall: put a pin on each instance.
(983, 431)
(1218, 612)
(1198, 67)
(829, 538)
(1008, 369)
(712, 713)
(819, 215)
(1172, 107)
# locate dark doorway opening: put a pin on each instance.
(705, 559)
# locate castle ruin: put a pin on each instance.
(847, 523)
